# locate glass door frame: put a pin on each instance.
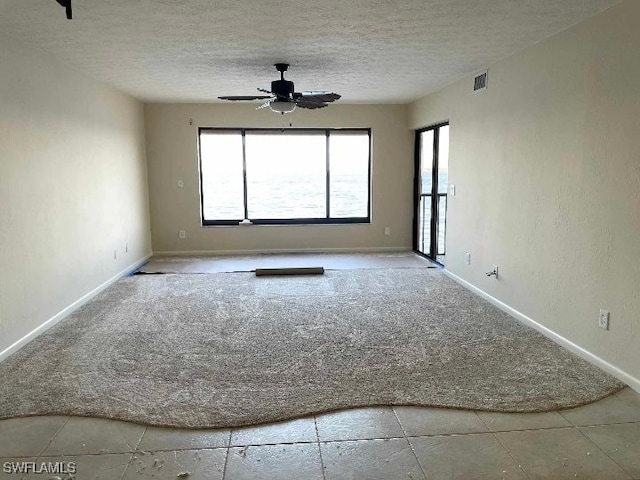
(434, 194)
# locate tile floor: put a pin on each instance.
(248, 263)
(599, 441)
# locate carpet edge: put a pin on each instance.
(135, 419)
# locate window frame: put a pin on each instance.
(434, 195)
(287, 221)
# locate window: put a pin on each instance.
(287, 176)
(432, 180)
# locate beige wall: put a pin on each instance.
(72, 187)
(546, 165)
(172, 155)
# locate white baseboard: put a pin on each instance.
(209, 253)
(621, 375)
(70, 309)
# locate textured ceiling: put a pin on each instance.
(373, 51)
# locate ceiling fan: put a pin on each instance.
(283, 99)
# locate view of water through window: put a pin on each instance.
(286, 174)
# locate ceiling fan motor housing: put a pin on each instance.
(282, 88)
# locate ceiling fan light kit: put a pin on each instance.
(283, 98)
(279, 106)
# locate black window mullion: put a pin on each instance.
(434, 195)
(200, 175)
(244, 174)
(328, 181)
(369, 177)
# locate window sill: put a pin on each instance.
(288, 223)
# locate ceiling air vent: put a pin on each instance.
(480, 82)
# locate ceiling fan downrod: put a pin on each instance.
(281, 67)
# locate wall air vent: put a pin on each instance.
(480, 82)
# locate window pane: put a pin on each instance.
(222, 179)
(443, 159)
(442, 223)
(286, 175)
(424, 227)
(348, 174)
(426, 161)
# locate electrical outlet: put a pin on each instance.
(467, 258)
(452, 190)
(182, 234)
(603, 319)
(387, 231)
(180, 183)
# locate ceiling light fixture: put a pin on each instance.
(281, 106)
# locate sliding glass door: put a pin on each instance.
(432, 183)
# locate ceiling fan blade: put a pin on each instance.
(312, 93)
(310, 105)
(235, 98)
(324, 97)
(264, 105)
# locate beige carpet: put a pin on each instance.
(224, 350)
